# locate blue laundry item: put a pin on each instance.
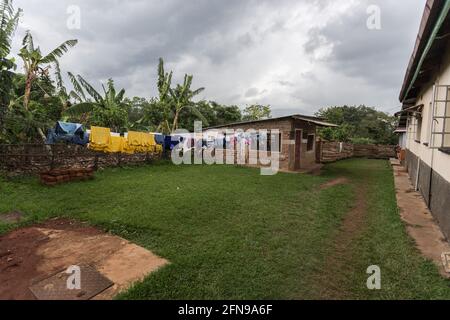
(69, 133)
(51, 136)
(171, 142)
(159, 138)
(68, 128)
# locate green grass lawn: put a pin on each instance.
(230, 233)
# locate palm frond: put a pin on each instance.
(59, 80)
(74, 95)
(8, 25)
(198, 114)
(120, 95)
(28, 42)
(80, 108)
(59, 51)
(90, 90)
(77, 87)
(197, 92)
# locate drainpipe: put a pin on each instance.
(417, 174)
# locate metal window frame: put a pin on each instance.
(435, 118)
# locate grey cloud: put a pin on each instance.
(377, 56)
(220, 43)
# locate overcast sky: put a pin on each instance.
(296, 55)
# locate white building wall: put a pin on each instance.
(439, 161)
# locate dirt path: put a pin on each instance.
(329, 282)
(334, 182)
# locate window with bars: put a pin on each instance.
(440, 125)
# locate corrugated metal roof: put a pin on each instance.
(315, 120)
(425, 56)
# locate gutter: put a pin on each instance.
(432, 38)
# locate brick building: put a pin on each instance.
(297, 138)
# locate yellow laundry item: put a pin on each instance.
(100, 138)
(140, 142)
(117, 144)
(127, 148)
(134, 138)
(158, 149)
(149, 142)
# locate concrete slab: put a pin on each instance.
(419, 221)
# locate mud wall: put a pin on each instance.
(334, 151)
(35, 158)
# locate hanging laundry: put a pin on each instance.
(100, 138)
(117, 144)
(171, 142)
(159, 138)
(68, 132)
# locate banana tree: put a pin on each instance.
(36, 64)
(182, 97)
(8, 24)
(109, 110)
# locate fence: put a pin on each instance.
(35, 158)
(334, 151)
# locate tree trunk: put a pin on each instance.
(42, 135)
(44, 139)
(26, 98)
(175, 122)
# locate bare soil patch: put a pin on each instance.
(419, 221)
(11, 217)
(332, 273)
(334, 182)
(31, 254)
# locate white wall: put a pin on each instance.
(439, 161)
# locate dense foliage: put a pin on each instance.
(359, 124)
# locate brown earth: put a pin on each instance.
(31, 254)
(11, 217)
(334, 182)
(330, 277)
(419, 221)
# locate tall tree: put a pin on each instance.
(110, 110)
(257, 112)
(182, 97)
(8, 24)
(36, 64)
(164, 99)
(359, 122)
(175, 100)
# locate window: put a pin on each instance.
(440, 124)
(273, 137)
(254, 142)
(418, 128)
(310, 143)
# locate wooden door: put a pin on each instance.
(298, 148)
